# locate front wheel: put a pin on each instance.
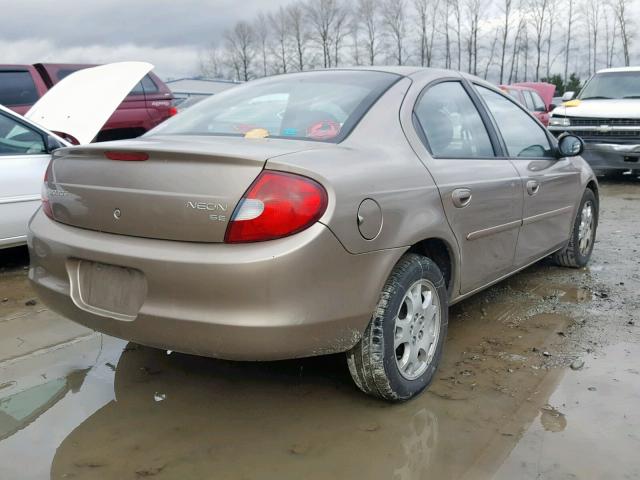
(401, 348)
(577, 252)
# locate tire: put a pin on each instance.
(373, 362)
(572, 255)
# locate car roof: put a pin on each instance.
(619, 69)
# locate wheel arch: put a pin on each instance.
(593, 186)
(444, 256)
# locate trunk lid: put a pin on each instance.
(186, 190)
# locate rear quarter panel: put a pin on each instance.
(376, 162)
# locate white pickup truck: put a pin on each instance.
(606, 114)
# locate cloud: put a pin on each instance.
(170, 62)
(168, 33)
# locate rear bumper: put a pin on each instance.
(299, 296)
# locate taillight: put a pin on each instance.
(46, 206)
(173, 111)
(127, 156)
(276, 205)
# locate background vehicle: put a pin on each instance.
(343, 213)
(148, 104)
(535, 96)
(606, 114)
(71, 109)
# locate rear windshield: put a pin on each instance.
(17, 88)
(321, 106)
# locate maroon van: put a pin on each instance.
(148, 104)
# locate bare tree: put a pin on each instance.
(594, 11)
(367, 13)
(610, 37)
(322, 15)
(262, 37)
(394, 20)
(279, 28)
(620, 9)
(446, 14)
(538, 18)
(506, 10)
(457, 29)
(210, 62)
(241, 45)
(567, 47)
(491, 54)
(339, 32)
(299, 33)
(551, 14)
(472, 10)
(426, 19)
(516, 48)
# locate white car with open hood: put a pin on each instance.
(75, 113)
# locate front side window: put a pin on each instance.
(538, 103)
(321, 106)
(523, 136)
(451, 123)
(17, 139)
(528, 100)
(17, 88)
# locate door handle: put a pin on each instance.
(461, 197)
(533, 187)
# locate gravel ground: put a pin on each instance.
(540, 379)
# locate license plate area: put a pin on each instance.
(107, 290)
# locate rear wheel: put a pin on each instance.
(577, 252)
(401, 348)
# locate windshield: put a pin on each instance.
(612, 85)
(321, 106)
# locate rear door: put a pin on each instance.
(23, 161)
(481, 192)
(551, 185)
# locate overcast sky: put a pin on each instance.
(168, 33)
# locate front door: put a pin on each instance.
(551, 185)
(481, 192)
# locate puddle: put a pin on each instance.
(504, 405)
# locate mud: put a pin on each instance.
(506, 403)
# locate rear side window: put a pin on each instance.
(528, 100)
(451, 123)
(322, 106)
(17, 88)
(146, 85)
(523, 136)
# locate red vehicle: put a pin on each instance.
(534, 96)
(148, 104)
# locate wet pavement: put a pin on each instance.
(540, 379)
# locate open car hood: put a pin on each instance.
(81, 103)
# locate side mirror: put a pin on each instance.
(570, 145)
(568, 96)
(53, 144)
